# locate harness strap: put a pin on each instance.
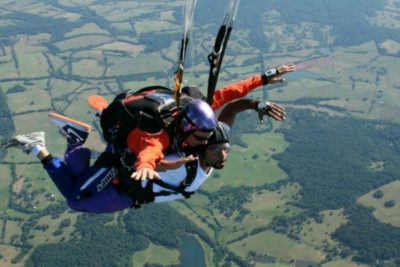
(142, 195)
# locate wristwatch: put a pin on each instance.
(271, 73)
(263, 106)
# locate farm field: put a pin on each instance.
(253, 212)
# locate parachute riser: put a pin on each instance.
(221, 41)
(188, 19)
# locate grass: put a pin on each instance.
(276, 245)
(83, 42)
(34, 121)
(145, 64)
(90, 28)
(56, 61)
(308, 88)
(124, 46)
(386, 215)
(60, 87)
(13, 231)
(277, 264)
(32, 99)
(155, 254)
(69, 97)
(347, 57)
(35, 176)
(319, 234)
(195, 214)
(7, 69)
(6, 179)
(391, 46)
(87, 68)
(149, 26)
(265, 205)
(32, 64)
(40, 237)
(341, 263)
(7, 253)
(243, 168)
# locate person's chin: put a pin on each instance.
(219, 165)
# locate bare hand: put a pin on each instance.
(174, 164)
(145, 174)
(275, 111)
(282, 70)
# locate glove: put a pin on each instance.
(273, 110)
(263, 107)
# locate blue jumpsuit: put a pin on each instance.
(72, 174)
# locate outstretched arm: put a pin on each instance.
(229, 112)
(276, 75)
(164, 165)
(241, 88)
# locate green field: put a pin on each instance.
(251, 172)
(319, 233)
(72, 49)
(156, 255)
(382, 213)
(276, 245)
(6, 181)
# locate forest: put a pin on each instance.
(122, 235)
(374, 242)
(329, 157)
(352, 30)
(7, 128)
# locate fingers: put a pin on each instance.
(277, 112)
(145, 174)
(189, 158)
(276, 115)
(286, 68)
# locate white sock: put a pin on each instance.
(36, 150)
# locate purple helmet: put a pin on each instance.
(197, 116)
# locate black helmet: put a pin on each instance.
(220, 134)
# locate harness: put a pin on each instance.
(151, 109)
(144, 194)
(123, 163)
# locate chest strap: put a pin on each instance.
(143, 195)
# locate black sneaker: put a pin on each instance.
(74, 131)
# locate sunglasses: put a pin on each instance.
(200, 138)
(217, 149)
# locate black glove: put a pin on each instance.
(263, 107)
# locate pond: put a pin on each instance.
(192, 253)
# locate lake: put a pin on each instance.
(192, 253)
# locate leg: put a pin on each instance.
(77, 158)
(108, 200)
(34, 144)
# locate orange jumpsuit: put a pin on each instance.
(149, 147)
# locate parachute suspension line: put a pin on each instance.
(188, 20)
(221, 41)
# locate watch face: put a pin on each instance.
(270, 72)
(261, 105)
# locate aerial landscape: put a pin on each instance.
(318, 189)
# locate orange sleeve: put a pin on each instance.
(235, 90)
(148, 147)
